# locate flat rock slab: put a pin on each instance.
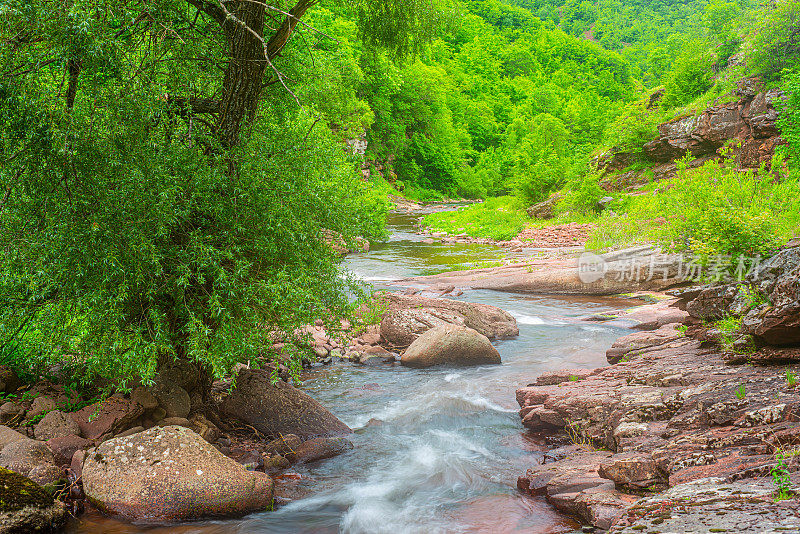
(639, 269)
(712, 505)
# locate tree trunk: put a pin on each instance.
(244, 75)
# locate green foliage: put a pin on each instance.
(581, 195)
(498, 218)
(789, 119)
(728, 328)
(741, 392)
(781, 479)
(486, 112)
(714, 211)
(791, 378)
(690, 77)
(132, 235)
(775, 45)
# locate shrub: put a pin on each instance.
(498, 218)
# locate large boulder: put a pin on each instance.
(55, 424)
(27, 507)
(546, 209)
(279, 409)
(9, 435)
(170, 474)
(25, 455)
(110, 416)
(408, 316)
(320, 449)
(450, 345)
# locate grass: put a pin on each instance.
(500, 218)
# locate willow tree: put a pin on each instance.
(162, 188)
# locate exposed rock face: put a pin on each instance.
(407, 317)
(772, 314)
(450, 345)
(279, 409)
(107, 417)
(750, 120)
(712, 505)
(670, 413)
(27, 507)
(544, 209)
(170, 474)
(623, 271)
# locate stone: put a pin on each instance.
(76, 465)
(55, 424)
(110, 416)
(174, 399)
(46, 474)
(9, 381)
(168, 474)
(450, 345)
(279, 409)
(22, 456)
(11, 411)
(64, 448)
(179, 372)
(144, 397)
(175, 421)
(544, 209)
(632, 470)
(321, 448)
(407, 317)
(284, 445)
(27, 507)
(205, 428)
(276, 462)
(9, 435)
(41, 405)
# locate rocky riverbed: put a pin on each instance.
(390, 432)
(680, 434)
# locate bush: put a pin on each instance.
(691, 76)
(500, 218)
(714, 210)
(581, 195)
(776, 41)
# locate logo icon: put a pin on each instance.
(591, 268)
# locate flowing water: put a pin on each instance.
(436, 450)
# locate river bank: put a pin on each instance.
(397, 449)
(680, 434)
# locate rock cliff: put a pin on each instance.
(747, 123)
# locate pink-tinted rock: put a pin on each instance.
(64, 448)
(109, 416)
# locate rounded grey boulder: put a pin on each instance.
(450, 345)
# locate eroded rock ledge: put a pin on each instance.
(675, 436)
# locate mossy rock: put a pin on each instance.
(27, 507)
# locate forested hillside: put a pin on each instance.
(115, 106)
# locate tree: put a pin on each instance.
(160, 202)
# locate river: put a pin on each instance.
(436, 450)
